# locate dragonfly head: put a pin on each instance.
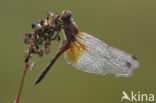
(66, 15)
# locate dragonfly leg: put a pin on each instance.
(57, 35)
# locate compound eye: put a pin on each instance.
(66, 15)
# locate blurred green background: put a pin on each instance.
(129, 25)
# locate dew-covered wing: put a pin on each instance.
(91, 55)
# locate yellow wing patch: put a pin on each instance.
(75, 51)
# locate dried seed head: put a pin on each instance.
(25, 40)
(47, 50)
(33, 26)
(41, 22)
(39, 26)
(42, 36)
(28, 35)
(40, 53)
(35, 50)
(32, 65)
(34, 36)
(26, 53)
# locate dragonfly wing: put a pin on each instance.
(89, 54)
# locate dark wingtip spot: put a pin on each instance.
(134, 58)
(128, 64)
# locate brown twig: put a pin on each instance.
(21, 83)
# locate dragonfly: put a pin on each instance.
(86, 52)
(89, 54)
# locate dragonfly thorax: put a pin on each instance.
(70, 29)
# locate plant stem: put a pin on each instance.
(21, 83)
